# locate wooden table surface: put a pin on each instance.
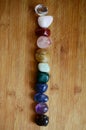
(18, 67)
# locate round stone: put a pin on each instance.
(45, 21)
(42, 120)
(41, 10)
(41, 88)
(42, 77)
(41, 97)
(42, 55)
(43, 32)
(41, 108)
(43, 42)
(44, 67)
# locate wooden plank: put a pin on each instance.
(18, 67)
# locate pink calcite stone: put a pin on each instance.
(43, 42)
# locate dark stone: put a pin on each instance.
(42, 120)
(42, 77)
(43, 32)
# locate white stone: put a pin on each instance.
(45, 21)
(44, 67)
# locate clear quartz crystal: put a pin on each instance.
(41, 10)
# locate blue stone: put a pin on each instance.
(41, 88)
(41, 97)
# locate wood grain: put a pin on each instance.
(18, 67)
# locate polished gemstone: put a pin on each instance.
(45, 21)
(41, 10)
(41, 97)
(42, 55)
(44, 67)
(42, 120)
(41, 88)
(43, 42)
(41, 108)
(42, 77)
(43, 32)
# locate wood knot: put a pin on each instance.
(77, 89)
(54, 87)
(18, 107)
(64, 49)
(11, 93)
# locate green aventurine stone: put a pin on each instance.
(42, 77)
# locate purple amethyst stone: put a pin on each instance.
(41, 108)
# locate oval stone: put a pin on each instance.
(42, 77)
(42, 55)
(41, 88)
(43, 42)
(43, 32)
(41, 97)
(42, 120)
(41, 108)
(44, 67)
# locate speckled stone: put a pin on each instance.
(42, 55)
(42, 77)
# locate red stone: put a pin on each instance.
(43, 32)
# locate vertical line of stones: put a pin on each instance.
(42, 57)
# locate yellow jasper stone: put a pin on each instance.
(42, 55)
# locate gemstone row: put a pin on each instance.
(42, 56)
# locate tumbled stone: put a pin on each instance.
(41, 108)
(40, 97)
(45, 21)
(42, 120)
(42, 55)
(42, 77)
(43, 42)
(44, 67)
(41, 88)
(41, 10)
(43, 32)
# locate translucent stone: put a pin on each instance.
(41, 108)
(43, 42)
(41, 10)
